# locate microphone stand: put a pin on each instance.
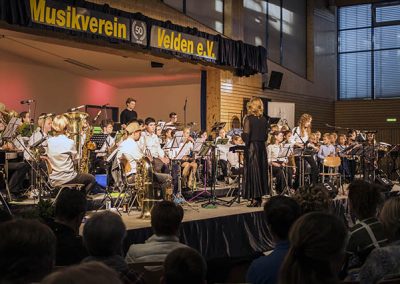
(184, 113)
(301, 162)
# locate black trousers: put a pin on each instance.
(224, 167)
(16, 179)
(314, 170)
(86, 179)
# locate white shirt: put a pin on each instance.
(233, 159)
(275, 153)
(130, 149)
(223, 149)
(61, 153)
(110, 141)
(151, 143)
(296, 136)
(184, 150)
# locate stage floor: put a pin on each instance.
(193, 212)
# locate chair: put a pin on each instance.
(332, 164)
(128, 185)
(60, 188)
(151, 271)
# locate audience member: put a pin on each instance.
(280, 212)
(385, 261)
(86, 273)
(27, 251)
(166, 218)
(184, 265)
(70, 209)
(313, 199)
(103, 235)
(368, 232)
(317, 250)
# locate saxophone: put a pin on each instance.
(146, 193)
(88, 146)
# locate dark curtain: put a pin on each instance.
(244, 58)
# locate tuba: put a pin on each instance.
(146, 193)
(88, 146)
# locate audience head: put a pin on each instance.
(70, 208)
(281, 212)
(103, 234)
(313, 199)
(166, 218)
(184, 265)
(317, 250)
(89, 273)
(390, 218)
(27, 251)
(364, 199)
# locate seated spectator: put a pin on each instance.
(166, 218)
(317, 250)
(88, 273)
(385, 261)
(368, 232)
(280, 212)
(312, 199)
(103, 235)
(70, 209)
(184, 265)
(27, 251)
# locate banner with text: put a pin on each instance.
(60, 15)
(183, 43)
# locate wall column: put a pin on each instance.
(213, 97)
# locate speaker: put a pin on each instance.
(275, 80)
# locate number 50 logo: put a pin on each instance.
(139, 32)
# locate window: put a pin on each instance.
(369, 51)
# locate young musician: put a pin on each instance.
(234, 159)
(299, 138)
(189, 165)
(254, 135)
(130, 149)
(61, 155)
(351, 140)
(333, 137)
(326, 149)
(107, 126)
(223, 151)
(318, 135)
(44, 127)
(173, 119)
(277, 162)
(150, 145)
(344, 167)
(25, 117)
(128, 115)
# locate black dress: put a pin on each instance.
(255, 183)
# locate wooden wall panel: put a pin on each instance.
(371, 115)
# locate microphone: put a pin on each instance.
(76, 108)
(103, 106)
(26, 102)
(97, 116)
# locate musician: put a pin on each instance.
(189, 164)
(44, 127)
(25, 117)
(62, 154)
(370, 157)
(277, 159)
(150, 145)
(223, 151)
(254, 135)
(326, 149)
(128, 115)
(234, 159)
(333, 137)
(107, 126)
(299, 138)
(318, 135)
(130, 149)
(313, 145)
(344, 167)
(351, 140)
(159, 133)
(168, 139)
(173, 119)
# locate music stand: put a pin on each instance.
(213, 200)
(283, 155)
(240, 150)
(204, 150)
(11, 128)
(99, 139)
